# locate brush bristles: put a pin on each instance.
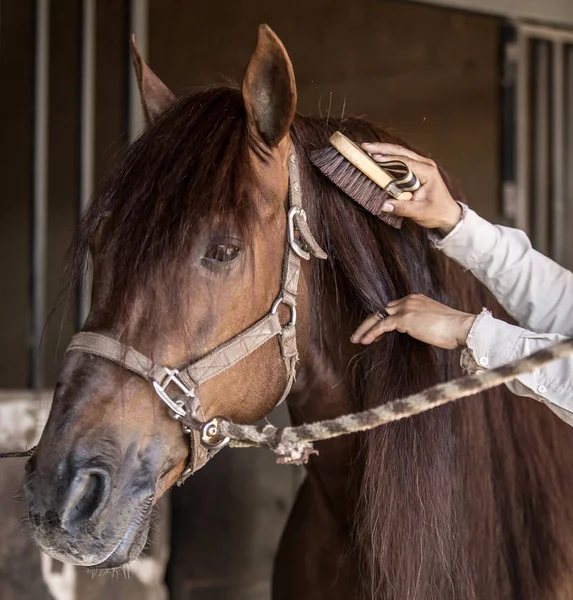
(354, 183)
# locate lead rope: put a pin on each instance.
(23, 454)
(294, 445)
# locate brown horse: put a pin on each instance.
(472, 500)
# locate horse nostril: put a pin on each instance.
(86, 496)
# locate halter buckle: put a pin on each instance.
(292, 239)
(177, 407)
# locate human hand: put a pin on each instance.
(432, 205)
(420, 317)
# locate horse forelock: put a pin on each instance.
(187, 171)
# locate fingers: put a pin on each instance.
(411, 209)
(376, 330)
(432, 205)
(398, 151)
(409, 299)
(365, 326)
(425, 172)
(373, 327)
(422, 170)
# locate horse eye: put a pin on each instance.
(221, 253)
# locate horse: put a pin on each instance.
(187, 237)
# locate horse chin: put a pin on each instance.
(130, 546)
(61, 546)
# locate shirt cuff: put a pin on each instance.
(486, 329)
(492, 343)
(469, 240)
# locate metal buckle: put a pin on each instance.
(280, 300)
(177, 407)
(210, 436)
(292, 239)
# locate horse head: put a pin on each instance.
(187, 240)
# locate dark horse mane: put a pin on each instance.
(440, 490)
(437, 492)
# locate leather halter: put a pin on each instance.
(185, 405)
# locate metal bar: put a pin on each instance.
(549, 33)
(559, 233)
(87, 135)
(569, 152)
(540, 166)
(508, 123)
(39, 193)
(523, 143)
(138, 24)
(546, 11)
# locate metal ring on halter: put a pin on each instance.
(177, 406)
(292, 239)
(210, 436)
(280, 300)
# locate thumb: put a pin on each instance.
(404, 208)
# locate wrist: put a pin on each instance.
(451, 219)
(466, 322)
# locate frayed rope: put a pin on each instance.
(294, 445)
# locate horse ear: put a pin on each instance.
(155, 95)
(269, 89)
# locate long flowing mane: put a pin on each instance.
(440, 491)
(436, 494)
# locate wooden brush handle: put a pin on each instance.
(353, 153)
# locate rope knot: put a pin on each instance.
(297, 453)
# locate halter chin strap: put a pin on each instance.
(185, 405)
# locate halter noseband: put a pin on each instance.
(185, 405)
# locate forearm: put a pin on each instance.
(532, 288)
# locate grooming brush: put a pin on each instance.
(364, 180)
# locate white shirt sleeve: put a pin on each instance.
(493, 343)
(533, 289)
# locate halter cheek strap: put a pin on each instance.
(185, 405)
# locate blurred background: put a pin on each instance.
(483, 86)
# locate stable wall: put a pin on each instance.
(430, 74)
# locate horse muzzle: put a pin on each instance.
(86, 519)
